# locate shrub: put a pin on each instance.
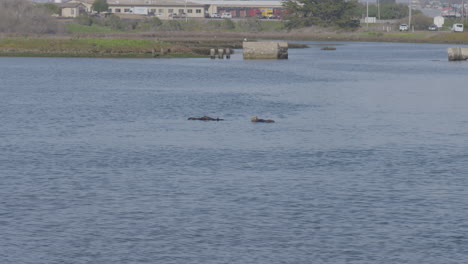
(50, 7)
(149, 24)
(171, 25)
(154, 22)
(20, 16)
(228, 24)
(214, 24)
(114, 22)
(251, 24)
(84, 20)
(421, 22)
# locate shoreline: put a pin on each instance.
(189, 44)
(434, 37)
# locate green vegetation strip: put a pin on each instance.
(79, 43)
(75, 55)
(77, 28)
(91, 47)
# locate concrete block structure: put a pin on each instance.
(265, 50)
(457, 54)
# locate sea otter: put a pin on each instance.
(205, 118)
(259, 120)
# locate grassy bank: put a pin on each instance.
(113, 24)
(117, 46)
(420, 37)
(252, 29)
(190, 44)
(77, 28)
(92, 47)
(363, 36)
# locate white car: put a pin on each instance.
(215, 15)
(403, 27)
(457, 28)
(226, 15)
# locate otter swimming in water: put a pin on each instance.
(205, 118)
(255, 119)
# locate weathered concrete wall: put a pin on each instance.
(265, 50)
(457, 53)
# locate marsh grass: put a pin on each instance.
(77, 28)
(450, 37)
(91, 47)
(81, 55)
(78, 43)
(210, 25)
(406, 35)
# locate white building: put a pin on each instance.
(159, 8)
(439, 21)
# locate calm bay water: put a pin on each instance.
(367, 161)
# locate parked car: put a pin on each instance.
(226, 15)
(215, 15)
(181, 15)
(457, 28)
(403, 27)
(433, 28)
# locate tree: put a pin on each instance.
(114, 22)
(228, 24)
(305, 13)
(51, 7)
(421, 21)
(100, 6)
(172, 25)
(21, 16)
(154, 22)
(387, 11)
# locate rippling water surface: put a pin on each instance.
(367, 161)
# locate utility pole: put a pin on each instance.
(409, 18)
(463, 11)
(378, 9)
(367, 14)
(186, 13)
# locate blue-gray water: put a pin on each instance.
(367, 161)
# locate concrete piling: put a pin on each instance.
(457, 53)
(220, 53)
(212, 54)
(265, 50)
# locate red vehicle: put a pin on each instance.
(254, 12)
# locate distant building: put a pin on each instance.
(196, 8)
(160, 8)
(72, 9)
(87, 3)
(245, 8)
(439, 21)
